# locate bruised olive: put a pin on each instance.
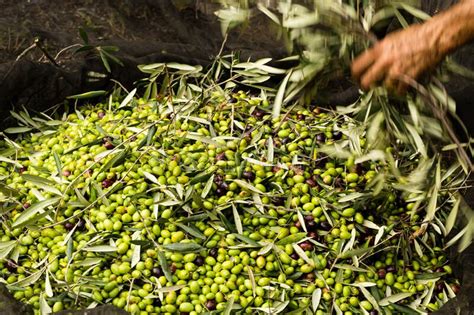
(311, 182)
(306, 246)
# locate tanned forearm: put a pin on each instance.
(415, 50)
(454, 27)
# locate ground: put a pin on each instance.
(39, 38)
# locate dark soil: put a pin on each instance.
(38, 39)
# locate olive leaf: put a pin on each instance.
(100, 249)
(183, 247)
(30, 213)
(191, 230)
(42, 183)
(207, 187)
(165, 266)
(315, 299)
(394, 298)
(6, 247)
(128, 98)
(90, 94)
(47, 286)
(237, 221)
(292, 239)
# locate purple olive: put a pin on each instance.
(218, 179)
(382, 273)
(278, 201)
(358, 169)
(313, 235)
(258, 113)
(337, 135)
(325, 226)
(69, 226)
(211, 305)
(81, 224)
(391, 268)
(220, 192)
(101, 115)
(249, 175)
(199, 261)
(107, 183)
(320, 137)
(109, 145)
(157, 272)
(294, 256)
(213, 252)
(220, 156)
(11, 265)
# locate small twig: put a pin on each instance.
(65, 49)
(45, 52)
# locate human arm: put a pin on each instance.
(415, 50)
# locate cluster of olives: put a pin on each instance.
(222, 207)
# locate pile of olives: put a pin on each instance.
(218, 208)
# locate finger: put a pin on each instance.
(402, 88)
(364, 61)
(391, 84)
(373, 75)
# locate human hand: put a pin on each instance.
(400, 55)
